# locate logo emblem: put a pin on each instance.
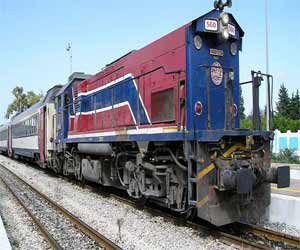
(217, 73)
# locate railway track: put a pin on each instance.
(284, 240)
(245, 236)
(242, 235)
(61, 228)
(225, 237)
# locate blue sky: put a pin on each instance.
(34, 35)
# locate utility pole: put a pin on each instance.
(267, 63)
(69, 50)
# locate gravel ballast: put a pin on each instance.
(58, 226)
(22, 232)
(280, 227)
(128, 227)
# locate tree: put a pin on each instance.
(283, 124)
(283, 101)
(242, 105)
(33, 98)
(22, 101)
(294, 106)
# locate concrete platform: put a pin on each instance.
(293, 190)
(284, 209)
(292, 166)
(4, 242)
(285, 202)
(295, 174)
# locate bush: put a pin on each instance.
(286, 156)
(284, 124)
(247, 123)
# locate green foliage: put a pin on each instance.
(242, 105)
(286, 156)
(22, 101)
(294, 106)
(247, 123)
(283, 101)
(281, 123)
(288, 106)
(284, 124)
(33, 98)
(287, 116)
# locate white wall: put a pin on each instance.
(3, 144)
(285, 136)
(26, 143)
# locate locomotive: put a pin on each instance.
(162, 123)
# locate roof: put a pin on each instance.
(75, 76)
(4, 126)
(35, 108)
(215, 12)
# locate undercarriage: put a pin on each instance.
(224, 181)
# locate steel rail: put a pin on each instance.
(226, 238)
(54, 244)
(85, 228)
(272, 235)
(222, 236)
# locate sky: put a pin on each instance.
(34, 35)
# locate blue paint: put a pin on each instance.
(116, 94)
(25, 152)
(294, 143)
(198, 76)
(282, 143)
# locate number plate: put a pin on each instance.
(231, 30)
(211, 25)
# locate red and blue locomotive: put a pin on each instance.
(163, 123)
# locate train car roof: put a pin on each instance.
(4, 126)
(35, 108)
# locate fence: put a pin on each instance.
(286, 140)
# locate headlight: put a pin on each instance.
(225, 33)
(198, 42)
(224, 17)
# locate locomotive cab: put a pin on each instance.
(230, 169)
